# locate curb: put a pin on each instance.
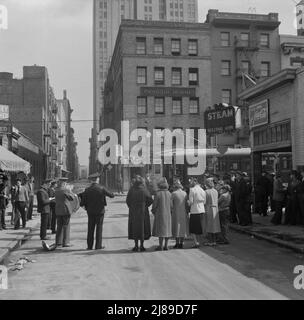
(259, 236)
(16, 243)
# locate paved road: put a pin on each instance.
(247, 269)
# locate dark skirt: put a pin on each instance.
(195, 226)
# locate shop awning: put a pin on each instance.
(12, 163)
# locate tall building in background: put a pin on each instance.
(107, 16)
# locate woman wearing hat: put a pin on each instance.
(179, 214)
(212, 213)
(161, 209)
(224, 202)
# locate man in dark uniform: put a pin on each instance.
(94, 201)
(44, 209)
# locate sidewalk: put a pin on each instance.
(10, 239)
(291, 237)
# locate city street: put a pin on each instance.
(246, 269)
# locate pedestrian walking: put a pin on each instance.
(31, 191)
(52, 215)
(138, 201)
(94, 201)
(197, 201)
(224, 201)
(64, 208)
(119, 184)
(292, 212)
(213, 226)
(233, 209)
(278, 196)
(21, 204)
(262, 194)
(3, 200)
(180, 224)
(161, 209)
(43, 207)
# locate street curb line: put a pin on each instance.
(16, 243)
(279, 242)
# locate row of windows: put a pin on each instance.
(141, 46)
(159, 105)
(275, 134)
(245, 39)
(159, 76)
(264, 71)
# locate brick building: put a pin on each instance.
(160, 77)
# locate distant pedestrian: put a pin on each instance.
(233, 210)
(119, 184)
(161, 209)
(300, 194)
(180, 224)
(3, 200)
(31, 190)
(138, 200)
(243, 199)
(94, 201)
(278, 196)
(21, 204)
(262, 194)
(292, 212)
(52, 215)
(197, 201)
(224, 201)
(43, 207)
(212, 213)
(64, 209)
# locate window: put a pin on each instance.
(141, 75)
(159, 105)
(159, 46)
(193, 107)
(193, 76)
(176, 76)
(192, 47)
(265, 69)
(175, 47)
(264, 40)
(140, 45)
(142, 105)
(225, 39)
(245, 39)
(177, 106)
(226, 68)
(226, 96)
(159, 75)
(246, 66)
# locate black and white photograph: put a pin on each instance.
(151, 153)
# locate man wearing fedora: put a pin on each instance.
(44, 209)
(94, 201)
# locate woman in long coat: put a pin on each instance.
(138, 201)
(161, 209)
(179, 215)
(212, 212)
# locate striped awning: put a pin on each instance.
(12, 163)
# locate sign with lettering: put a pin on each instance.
(218, 121)
(167, 92)
(4, 112)
(259, 114)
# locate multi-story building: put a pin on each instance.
(107, 16)
(245, 49)
(292, 51)
(160, 77)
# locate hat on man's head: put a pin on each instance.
(94, 176)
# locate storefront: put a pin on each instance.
(276, 123)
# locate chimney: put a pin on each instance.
(64, 94)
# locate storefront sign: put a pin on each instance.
(220, 121)
(167, 92)
(259, 114)
(4, 112)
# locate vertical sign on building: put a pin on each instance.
(4, 112)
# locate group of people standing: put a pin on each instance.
(178, 214)
(21, 196)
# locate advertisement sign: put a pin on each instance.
(259, 114)
(218, 121)
(167, 92)
(4, 112)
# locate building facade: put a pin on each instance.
(292, 51)
(107, 16)
(160, 77)
(276, 122)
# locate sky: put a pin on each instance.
(58, 34)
